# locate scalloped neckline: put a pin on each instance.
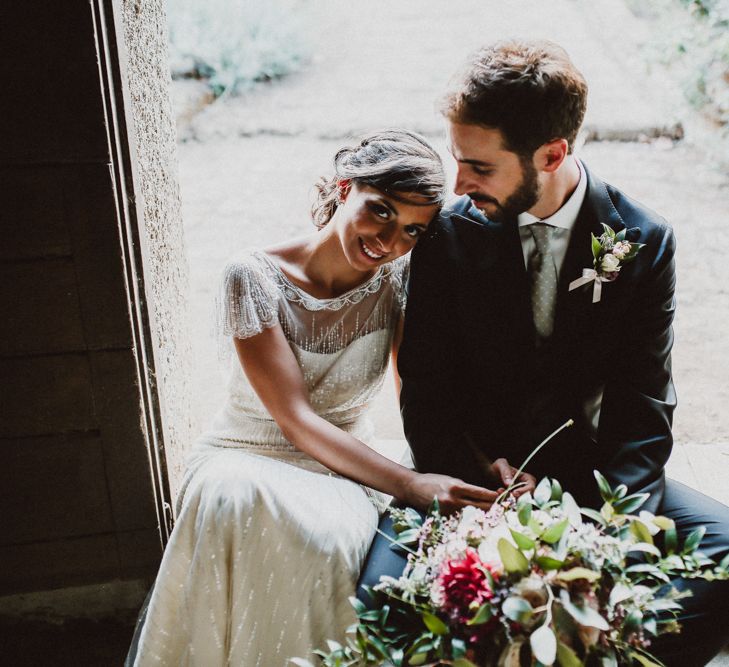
(290, 283)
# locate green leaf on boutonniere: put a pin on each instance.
(634, 248)
(596, 247)
(620, 236)
(608, 230)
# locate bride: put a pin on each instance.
(281, 496)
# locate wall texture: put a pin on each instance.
(166, 276)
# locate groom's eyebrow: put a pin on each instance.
(480, 163)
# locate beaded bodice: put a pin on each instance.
(342, 346)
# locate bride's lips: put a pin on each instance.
(369, 252)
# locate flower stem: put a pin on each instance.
(511, 486)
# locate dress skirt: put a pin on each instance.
(259, 568)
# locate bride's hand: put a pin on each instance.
(452, 493)
(506, 472)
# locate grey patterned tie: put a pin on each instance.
(543, 279)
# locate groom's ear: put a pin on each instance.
(551, 155)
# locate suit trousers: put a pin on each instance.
(705, 615)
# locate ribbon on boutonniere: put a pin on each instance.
(610, 252)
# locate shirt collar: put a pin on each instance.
(566, 216)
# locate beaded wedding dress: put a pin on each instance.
(268, 543)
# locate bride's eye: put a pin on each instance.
(414, 231)
(380, 211)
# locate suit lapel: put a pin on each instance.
(575, 310)
(495, 269)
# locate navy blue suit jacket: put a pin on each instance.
(475, 386)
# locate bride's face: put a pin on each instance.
(374, 228)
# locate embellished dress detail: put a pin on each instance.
(268, 543)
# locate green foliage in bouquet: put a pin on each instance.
(534, 581)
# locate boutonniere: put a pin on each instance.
(610, 251)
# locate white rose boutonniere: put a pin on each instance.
(610, 251)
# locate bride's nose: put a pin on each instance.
(386, 237)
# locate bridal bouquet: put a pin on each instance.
(538, 581)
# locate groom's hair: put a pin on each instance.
(529, 90)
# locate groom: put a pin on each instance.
(498, 351)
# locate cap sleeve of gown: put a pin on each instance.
(247, 301)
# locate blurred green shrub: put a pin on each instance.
(692, 37)
(235, 43)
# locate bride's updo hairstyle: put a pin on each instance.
(398, 163)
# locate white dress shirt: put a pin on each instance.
(563, 220)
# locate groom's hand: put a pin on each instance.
(507, 474)
(452, 493)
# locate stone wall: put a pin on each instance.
(151, 123)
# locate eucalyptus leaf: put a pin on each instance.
(571, 509)
(648, 569)
(567, 657)
(586, 616)
(417, 659)
(620, 593)
(513, 559)
(633, 621)
(555, 531)
(693, 540)
(524, 513)
(630, 503)
(357, 604)
(517, 609)
(544, 645)
(522, 541)
(548, 563)
(647, 548)
(645, 660)
(409, 536)
(620, 236)
(671, 539)
(579, 573)
(641, 531)
(608, 230)
(458, 648)
(434, 624)
(605, 491)
(663, 522)
(463, 662)
(483, 615)
(594, 515)
(556, 491)
(620, 491)
(543, 492)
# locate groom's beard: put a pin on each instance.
(522, 199)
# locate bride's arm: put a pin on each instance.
(274, 374)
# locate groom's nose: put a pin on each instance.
(463, 183)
